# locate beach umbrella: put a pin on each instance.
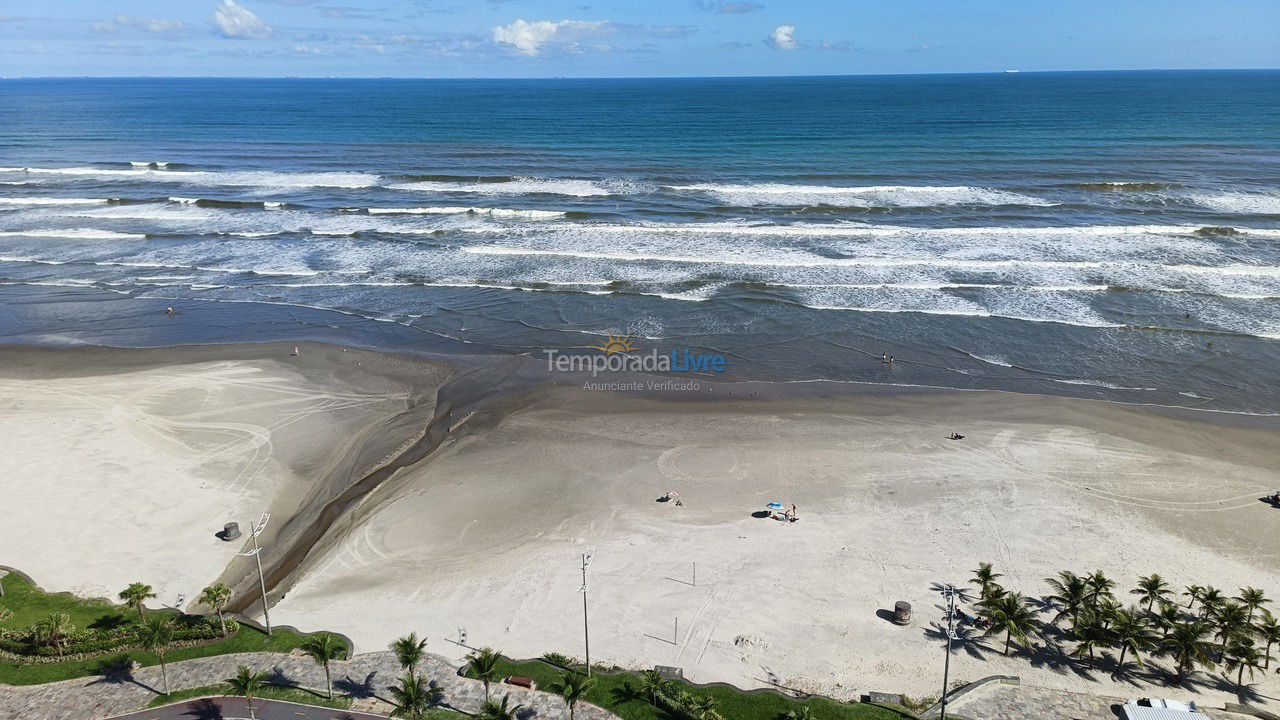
(774, 506)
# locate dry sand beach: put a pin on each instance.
(146, 453)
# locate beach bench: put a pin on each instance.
(521, 681)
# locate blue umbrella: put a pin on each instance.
(774, 506)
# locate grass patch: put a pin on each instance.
(302, 696)
(619, 694)
(29, 604)
(271, 692)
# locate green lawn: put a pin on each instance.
(618, 694)
(271, 692)
(29, 604)
(297, 695)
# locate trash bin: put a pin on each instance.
(902, 612)
(230, 531)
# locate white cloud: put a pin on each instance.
(783, 37)
(237, 21)
(529, 38)
(157, 26)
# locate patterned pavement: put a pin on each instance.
(364, 677)
(1014, 702)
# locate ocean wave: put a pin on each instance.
(263, 178)
(1124, 186)
(54, 201)
(74, 234)
(779, 194)
(493, 212)
(525, 186)
(850, 229)
(1241, 203)
(798, 261)
(979, 313)
(230, 204)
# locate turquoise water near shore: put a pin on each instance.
(1109, 235)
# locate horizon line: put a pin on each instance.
(1009, 71)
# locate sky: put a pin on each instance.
(627, 38)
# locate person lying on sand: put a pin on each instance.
(955, 436)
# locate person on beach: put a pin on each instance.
(169, 311)
(295, 351)
(884, 357)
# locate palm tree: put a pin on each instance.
(1193, 592)
(1150, 589)
(1230, 621)
(1070, 593)
(1090, 633)
(1253, 599)
(413, 697)
(246, 683)
(1188, 643)
(1268, 631)
(137, 594)
(704, 707)
(216, 597)
(1100, 588)
(651, 681)
(499, 711)
(409, 651)
(985, 578)
(53, 631)
(1210, 598)
(1129, 630)
(324, 648)
(1166, 617)
(1241, 655)
(1107, 610)
(157, 636)
(572, 687)
(485, 666)
(1011, 615)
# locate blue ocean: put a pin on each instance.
(1105, 235)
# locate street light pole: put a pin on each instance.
(254, 531)
(949, 592)
(586, 633)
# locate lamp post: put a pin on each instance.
(949, 592)
(586, 632)
(254, 531)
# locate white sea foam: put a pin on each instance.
(525, 186)
(493, 212)
(264, 179)
(794, 261)
(52, 201)
(780, 194)
(75, 234)
(1241, 203)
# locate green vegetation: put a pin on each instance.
(266, 692)
(631, 697)
(52, 614)
(1211, 630)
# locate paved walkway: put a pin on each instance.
(364, 677)
(1014, 702)
(225, 708)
